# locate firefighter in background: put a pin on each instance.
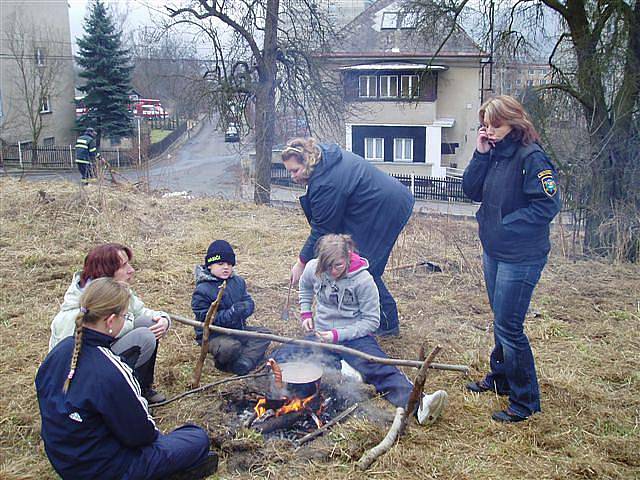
(86, 153)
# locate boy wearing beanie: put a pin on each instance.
(237, 355)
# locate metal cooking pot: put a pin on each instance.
(301, 378)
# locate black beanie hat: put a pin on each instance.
(220, 251)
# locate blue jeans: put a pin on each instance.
(388, 307)
(510, 286)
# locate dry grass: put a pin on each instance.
(584, 334)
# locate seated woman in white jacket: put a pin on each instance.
(137, 343)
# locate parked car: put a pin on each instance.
(231, 135)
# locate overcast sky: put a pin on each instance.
(138, 13)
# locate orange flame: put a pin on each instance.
(294, 405)
(259, 409)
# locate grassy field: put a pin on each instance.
(583, 328)
(157, 135)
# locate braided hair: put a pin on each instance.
(101, 299)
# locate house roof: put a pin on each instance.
(366, 37)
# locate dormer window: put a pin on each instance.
(390, 20)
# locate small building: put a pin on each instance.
(410, 108)
(37, 68)
(514, 78)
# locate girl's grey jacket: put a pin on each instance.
(64, 323)
(349, 306)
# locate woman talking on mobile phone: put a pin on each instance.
(517, 184)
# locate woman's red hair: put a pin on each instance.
(103, 261)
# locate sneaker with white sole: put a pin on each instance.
(431, 407)
(349, 372)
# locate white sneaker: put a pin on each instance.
(349, 372)
(431, 407)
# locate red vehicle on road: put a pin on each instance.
(148, 108)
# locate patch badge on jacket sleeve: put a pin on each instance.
(549, 185)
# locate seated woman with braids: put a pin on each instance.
(95, 421)
(137, 343)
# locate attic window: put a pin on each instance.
(390, 20)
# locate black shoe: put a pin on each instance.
(481, 387)
(206, 468)
(153, 396)
(392, 332)
(506, 416)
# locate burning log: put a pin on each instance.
(281, 422)
(326, 346)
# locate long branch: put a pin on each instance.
(208, 385)
(325, 346)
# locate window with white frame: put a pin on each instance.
(389, 20)
(388, 86)
(49, 141)
(367, 86)
(403, 149)
(374, 149)
(40, 57)
(46, 105)
(409, 86)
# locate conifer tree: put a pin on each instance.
(106, 68)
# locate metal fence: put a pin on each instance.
(157, 148)
(423, 188)
(59, 157)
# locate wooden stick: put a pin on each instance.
(208, 385)
(387, 442)
(418, 386)
(326, 426)
(327, 346)
(204, 348)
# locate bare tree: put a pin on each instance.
(36, 75)
(265, 55)
(166, 66)
(596, 62)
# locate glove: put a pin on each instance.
(243, 308)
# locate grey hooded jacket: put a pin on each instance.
(349, 306)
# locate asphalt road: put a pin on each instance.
(204, 165)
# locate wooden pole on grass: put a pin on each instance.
(326, 346)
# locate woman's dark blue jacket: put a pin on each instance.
(518, 188)
(347, 194)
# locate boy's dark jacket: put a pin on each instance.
(235, 293)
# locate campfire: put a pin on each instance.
(293, 403)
